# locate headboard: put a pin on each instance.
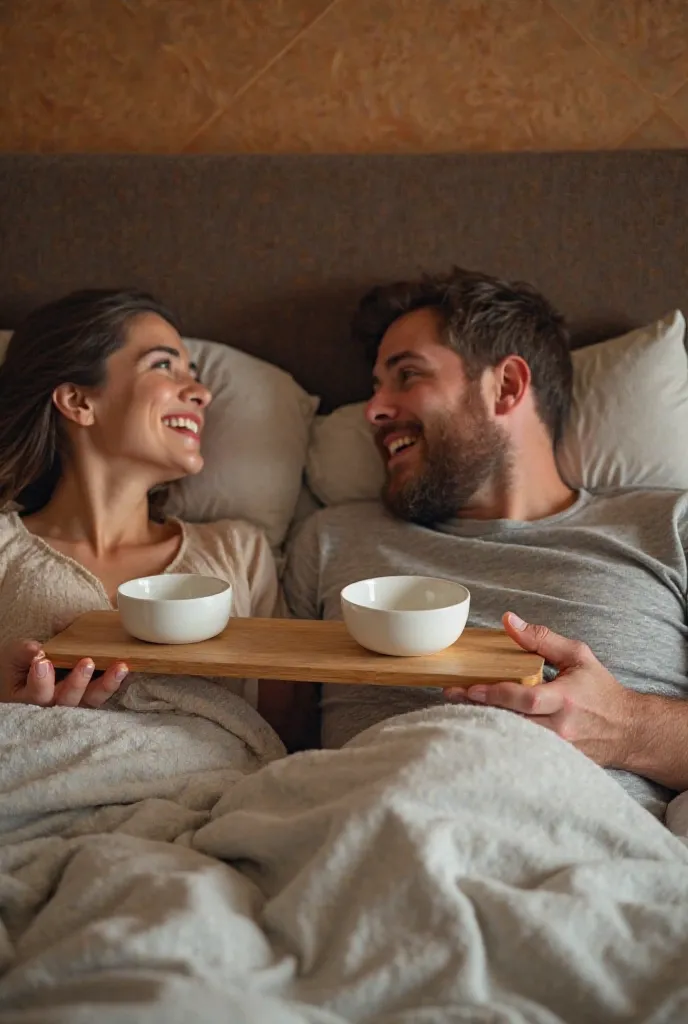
(270, 253)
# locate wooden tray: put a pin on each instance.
(292, 649)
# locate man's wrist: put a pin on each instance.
(637, 726)
(655, 741)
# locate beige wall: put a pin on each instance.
(348, 75)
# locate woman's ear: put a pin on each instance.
(74, 404)
(512, 378)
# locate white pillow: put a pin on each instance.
(255, 441)
(628, 428)
(343, 463)
(629, 418)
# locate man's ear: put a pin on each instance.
(512, 381)
(74, 404)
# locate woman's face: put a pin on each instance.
(149, 414)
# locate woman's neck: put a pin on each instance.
(97, 509)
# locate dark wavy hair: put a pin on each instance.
(485, 319)
(67, 341)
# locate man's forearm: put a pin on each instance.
(657, 745)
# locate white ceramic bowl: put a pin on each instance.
(405, 615)
(175, 608)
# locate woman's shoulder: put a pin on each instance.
(12, 534)
(229, 542)
(237, 551)
(232, 533)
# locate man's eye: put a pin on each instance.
(407, 374)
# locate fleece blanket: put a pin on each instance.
(168, 865)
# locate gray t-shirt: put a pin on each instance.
(610, 570)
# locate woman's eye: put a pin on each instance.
(163, 364)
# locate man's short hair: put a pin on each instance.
(484, 320)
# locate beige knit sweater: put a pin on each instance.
(42, 590)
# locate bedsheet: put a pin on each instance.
(453, 865)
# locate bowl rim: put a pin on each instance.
(405, 611)
(171, 576)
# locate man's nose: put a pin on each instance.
(380, 408)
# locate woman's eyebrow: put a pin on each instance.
(160, 348)
(168, 350)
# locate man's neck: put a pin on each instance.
(530, 488)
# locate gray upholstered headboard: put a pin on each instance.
(270, 253)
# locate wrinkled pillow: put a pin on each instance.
(628, 428)
(255, 442)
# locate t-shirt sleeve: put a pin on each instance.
(301, 580)
(683, 534)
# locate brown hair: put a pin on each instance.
(485, 319)
(67, 341)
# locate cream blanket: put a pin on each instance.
(454, 865)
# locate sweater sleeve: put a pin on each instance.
(261, 572)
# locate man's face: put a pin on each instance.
(432, 424)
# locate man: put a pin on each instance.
(472, 387)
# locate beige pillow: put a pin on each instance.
(255, 442)
(629, 423)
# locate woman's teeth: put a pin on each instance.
(182, 423)
(400, 442)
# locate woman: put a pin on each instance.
(101, 409)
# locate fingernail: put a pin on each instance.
(41, 669)
(477, 693)
(517, 622)
(121, 674)
(87, 669)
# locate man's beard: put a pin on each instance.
(457, 462)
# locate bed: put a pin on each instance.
(326, 888)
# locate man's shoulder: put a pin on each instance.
(638, 502)
(350, 516)
(651, 517)
(347, 527)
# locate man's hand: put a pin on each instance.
(27, 677)
(585, 704)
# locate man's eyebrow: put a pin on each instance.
(397, 358)
(168, 350)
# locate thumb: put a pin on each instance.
(40, 683)
(20, 654)
(557, 650)
(16, 659)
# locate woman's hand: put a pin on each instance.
(27, 677)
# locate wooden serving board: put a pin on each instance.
(321, 652)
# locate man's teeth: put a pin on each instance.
(400, 442)
(182, 422)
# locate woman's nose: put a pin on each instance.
(194, 391)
